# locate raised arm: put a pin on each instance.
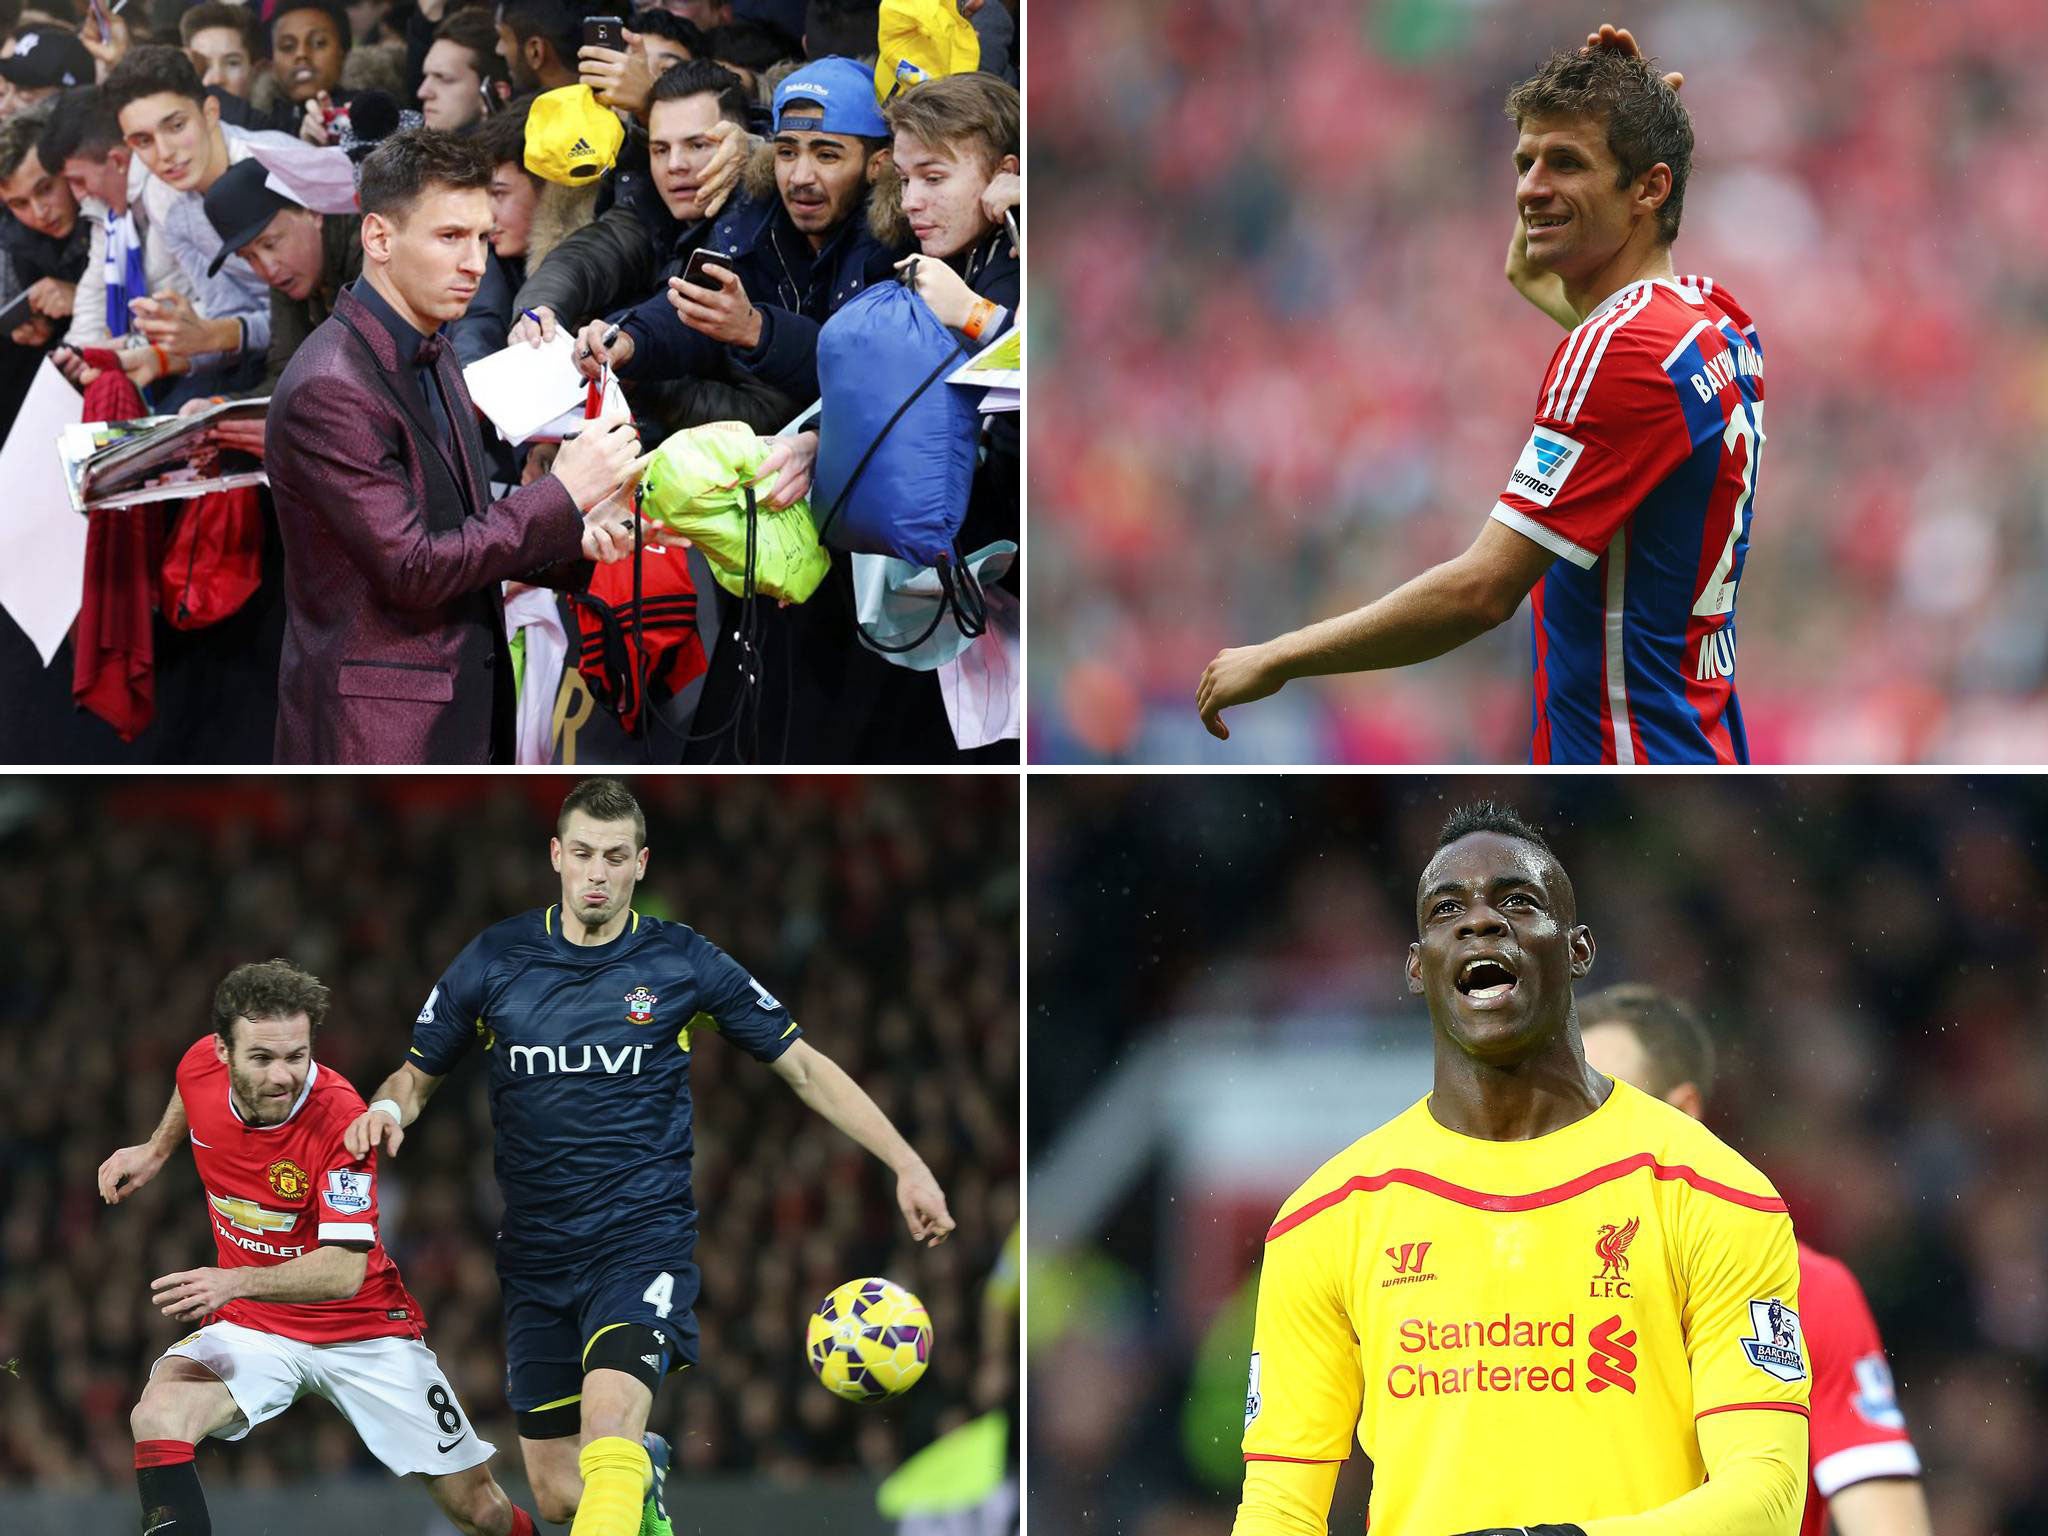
(400, 1098)
(132, 1167)
(824, 1086)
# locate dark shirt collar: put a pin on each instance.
(403, 336)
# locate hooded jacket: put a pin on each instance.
(605, 261)
(795, 289)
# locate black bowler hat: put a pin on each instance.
(240, 206)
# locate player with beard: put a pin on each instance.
(1865, 1474)
(304, 1299)
(587, 1013)
(1536, 1294)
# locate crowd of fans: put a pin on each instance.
(1283, 372)
(884, 912)
(1863, 950)
(163, 233)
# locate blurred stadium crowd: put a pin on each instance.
(885, 911)
(1866, 951)
(1281, 371)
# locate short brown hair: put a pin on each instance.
(1670, 1033)
(267, 989)
(953, 110)
(475, 31)
(398, 172)
(604, 800)
(1646, 123)
(219, 13)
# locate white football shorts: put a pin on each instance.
(390, 1390)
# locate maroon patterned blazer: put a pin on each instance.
(394, 646)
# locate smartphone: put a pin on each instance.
(99, 20)
(694, 273)
(604, 32)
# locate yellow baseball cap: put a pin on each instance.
(570, 139)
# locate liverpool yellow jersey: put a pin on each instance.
(1524, 1331)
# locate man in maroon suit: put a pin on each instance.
(395, 648)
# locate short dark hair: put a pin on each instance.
(399, 170)
(502, 135)
(677, 29)
(219, 13)
(698, 77)
(1670, 1033)
(849, 28)
(1488, 816)
(333, 10)
(475, 31)
(1646, 122)
(750, 44)
(604, 800)
(557, 22)
(267, 989)
(81, 123)
(18, 135)
(151, 69)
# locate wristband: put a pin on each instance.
(978, 317)
(163, 363)
(390, 1107)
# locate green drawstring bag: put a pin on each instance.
(700, 483)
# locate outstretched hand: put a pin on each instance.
(923, 1205)
(1242, 675)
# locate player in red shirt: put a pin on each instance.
(1864, 1469)
(1626, 517)
(304, 1299)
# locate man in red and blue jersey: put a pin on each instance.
(1627, 513)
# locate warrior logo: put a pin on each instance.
(1409, 1260)
(640, 1006)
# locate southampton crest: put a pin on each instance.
(640, 1006)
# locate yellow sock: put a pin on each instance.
(616, 1477)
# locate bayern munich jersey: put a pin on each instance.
(589, 1054)
(1640, 476)
(1858, 1431)
(1522, 1331)
(276, 1192)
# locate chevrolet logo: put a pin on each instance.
(250, 1216)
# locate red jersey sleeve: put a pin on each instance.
(1608, 429)
(345, 1192)
(1858, 1431)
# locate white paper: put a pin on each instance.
(573, 419)
(523, 388)
(991, 367)
(1002, 400)
(980, 685)
(42, 541)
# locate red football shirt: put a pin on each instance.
(275, 1192)
(1857, 1430)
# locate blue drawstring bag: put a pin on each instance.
(896, 443)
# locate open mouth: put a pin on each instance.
(1540, 223)
(1486, 979)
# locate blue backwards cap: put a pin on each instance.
(844, 87)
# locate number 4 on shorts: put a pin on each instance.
(660, 1294)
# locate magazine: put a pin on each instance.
(159, 458)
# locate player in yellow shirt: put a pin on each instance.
(1538, 1294)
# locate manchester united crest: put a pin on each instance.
(288, 1181)
(640, 1006)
